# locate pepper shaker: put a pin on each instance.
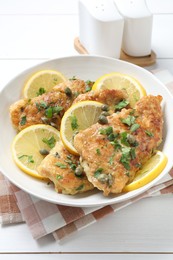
(137, 27)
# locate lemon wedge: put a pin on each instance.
(41, 82)
(116, 80)
(31, 145)
(151, 169)
(78, 117)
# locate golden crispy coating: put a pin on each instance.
(77, 86)
(112, 153)
(106, 96)
(50, 107)
(47, 108)
(16, 112)
(62, 169)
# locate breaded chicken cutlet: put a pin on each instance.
(50, 107)
(110, 97)
(64, 170)
(112, 153)
(47, 108)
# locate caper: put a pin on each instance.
(105, 113)
(131, 139)
(103, 178)
(111, 137)
(68, 92)
(43, 152)
(79, 171)
(105, 107)
(110, 179)
(102, 120)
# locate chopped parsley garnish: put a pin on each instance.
(106, 131)
(29, 157)
(134, 127)
(98, 151)
(112, 136)
(132, 112)
(42, 104)
(98, 172)
(70, 162)
(149, 133)
(57, 109)
(73, 166)
(50, 142)
(80, 187)
(124, 139)
(89, 82)
(50, 111)
(59, 177)
(74, 123)
(125, 157)
(61, 165)
(89, 85)
(116, 145)
(29, 101)
(122, 104)
(88, 88)
(23, 120)
(133, 153)
(131, 140)
(76, 94)
(129, 120)
(128, 153)
(138, 165)
(111, 159)
(41, 91)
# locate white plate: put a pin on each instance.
(87, 68)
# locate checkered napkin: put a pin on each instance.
(44, 218)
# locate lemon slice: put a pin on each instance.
(78, 117)
(116, 80)
(41, 82)
(149, 171)
(31, 145)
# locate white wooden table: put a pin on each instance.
(32, 31)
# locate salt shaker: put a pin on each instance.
(137, 27)
(100, 27)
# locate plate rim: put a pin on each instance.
(105, 202)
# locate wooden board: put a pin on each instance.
(140, 61)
